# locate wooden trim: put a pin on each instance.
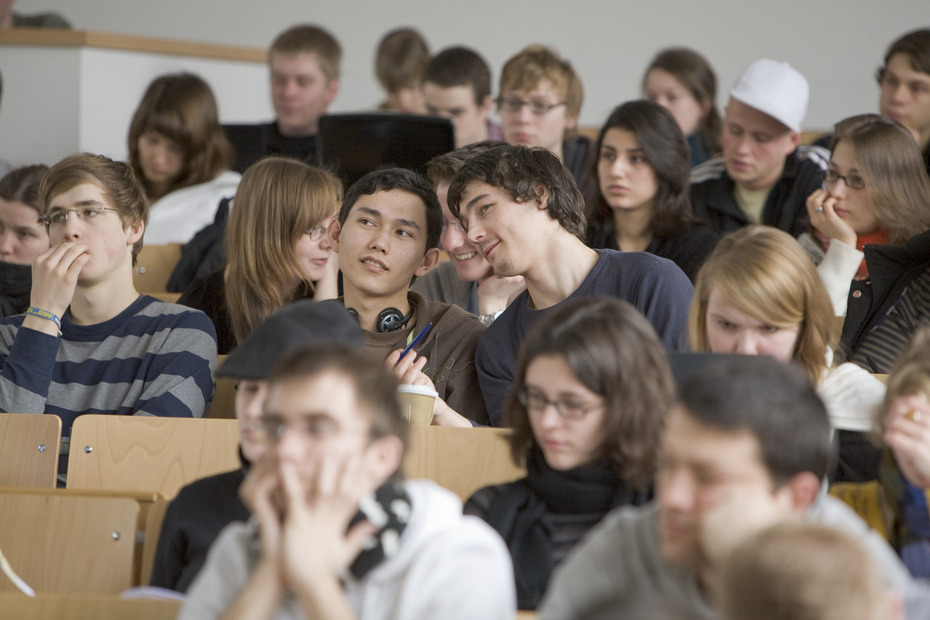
(52, 37)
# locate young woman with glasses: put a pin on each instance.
(875, 191)
(590, 397)
(276, 246)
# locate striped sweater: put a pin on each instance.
(152, 359)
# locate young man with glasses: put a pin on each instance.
(764, 176)
(540, 99)
(89, 342)
(336, 531)
(524, 214)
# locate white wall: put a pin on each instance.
(837, 44)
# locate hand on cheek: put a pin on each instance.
(907, 433)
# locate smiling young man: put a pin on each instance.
(524, 213)
(89, 342)
(746, 447)
(457, 86)
(905, 86)
(466, 279)
(304, 65)
(764, 176)
(386, 235)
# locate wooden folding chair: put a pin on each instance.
(159, 455)
(69, 543)
(154, 266)
(29, 445)
(461, 459)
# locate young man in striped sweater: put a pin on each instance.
(89, 342)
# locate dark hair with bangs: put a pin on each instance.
(613, 350)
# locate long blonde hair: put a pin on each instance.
(277, 201)
(766, 273)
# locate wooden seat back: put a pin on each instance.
(460, 459)
(29, 446)
(154, 266)
(69, 543)
(160, 455)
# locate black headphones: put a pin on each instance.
(389, 319)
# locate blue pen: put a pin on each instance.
(414, 342)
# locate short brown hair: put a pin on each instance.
(614, 351)
(803, 571)
(401, 60)
(375, 386)
(310, 39)
(181, 107)
(916, 46)
(443, 168)
(119, 184)
(460, 66)
(536, 63)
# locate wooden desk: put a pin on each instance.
(84, 607)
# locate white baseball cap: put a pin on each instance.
(775, 88)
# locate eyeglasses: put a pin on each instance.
(537, 107)
(318, 426)
(316, 233)
(60, 216)
(536, 402)
(852, 181)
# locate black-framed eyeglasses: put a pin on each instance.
(536, 402)
(537, 107)
(316, 233)
(60, 216)
(852, 181)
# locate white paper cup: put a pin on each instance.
(416, 404)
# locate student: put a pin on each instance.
(585, 425)
(683, 82)
(466, 279)
(792, 571)
(277, 248)
(336, 531)
(22, 236)
(400, 61)
(539, 101)
(386, 235)
(523, 212)
(457, 86)
(904, 80)
(746, 447)
(203, 508)
(875, 191)
(178, 150)
(11, 19)
(759, 294)
(89, 343)
(904, 421)
(764, 177)
(642, 201)
(304, 65)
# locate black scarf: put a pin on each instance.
(389, 510)
(519, 514)
(15, 288)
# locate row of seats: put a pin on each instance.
(99, 535)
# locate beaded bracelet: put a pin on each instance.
(45, 314)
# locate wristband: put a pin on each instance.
(489, 318)
(45, 314)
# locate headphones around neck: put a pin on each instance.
(389, 319)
